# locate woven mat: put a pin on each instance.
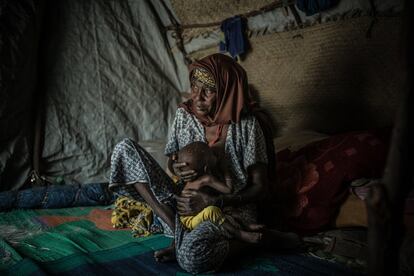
(329, 77)
(201, 11)
(78, 241)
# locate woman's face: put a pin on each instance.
(204, 98)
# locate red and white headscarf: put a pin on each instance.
(231, 84)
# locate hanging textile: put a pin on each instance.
(310, 7)
(235, 41)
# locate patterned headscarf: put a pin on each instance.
(230, 81)
(233, 99)
(201, 75)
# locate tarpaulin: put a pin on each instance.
(106, 72)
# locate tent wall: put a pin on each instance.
(276, 20)
(107, 72)
(340, 70)
(329, 77)
(110, 75)
(20, 27)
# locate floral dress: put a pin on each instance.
(206, 247)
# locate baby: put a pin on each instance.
(213, 178)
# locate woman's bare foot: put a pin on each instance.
(249, 237)
(254, 227)
(165, 255)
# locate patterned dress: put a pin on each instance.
(206, 247)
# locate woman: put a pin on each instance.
(217, 113)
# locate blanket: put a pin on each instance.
(82, 241)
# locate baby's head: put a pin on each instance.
(198, 156)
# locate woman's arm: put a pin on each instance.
(175, 168)
(255, 191)
(191, 202)
(170, 162)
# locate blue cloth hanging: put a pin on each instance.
(310, 7)
(235, 41)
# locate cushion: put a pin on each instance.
(313, 181)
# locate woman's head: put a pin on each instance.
(203, 92)
(219, 90)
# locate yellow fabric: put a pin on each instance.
(211, 213)
(204, 77)
(132, 213)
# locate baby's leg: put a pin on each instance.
(214, 214)
(254, 227)
(211, 213)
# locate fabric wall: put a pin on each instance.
(276, 20)
(20, 23)
(106, 72)
(342, 70)
(109, 75)
(329, 77)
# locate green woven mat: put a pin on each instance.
(52, 234)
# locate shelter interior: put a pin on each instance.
(78, 76)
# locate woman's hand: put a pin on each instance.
(177, 169)
(191, 202)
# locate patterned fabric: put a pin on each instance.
(206, 247)
(203, 249)
(134, 214)
(314, 180)
(130, 164)
(244, 146)
(204, 77)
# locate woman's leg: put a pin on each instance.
(242, 235)
(203, 249)
(136, 174)
(165, 212)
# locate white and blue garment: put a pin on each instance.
(206, 247)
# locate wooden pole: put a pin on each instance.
(385, 202)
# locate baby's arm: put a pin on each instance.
(225, 187)
(209, 181)
(215, 183)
